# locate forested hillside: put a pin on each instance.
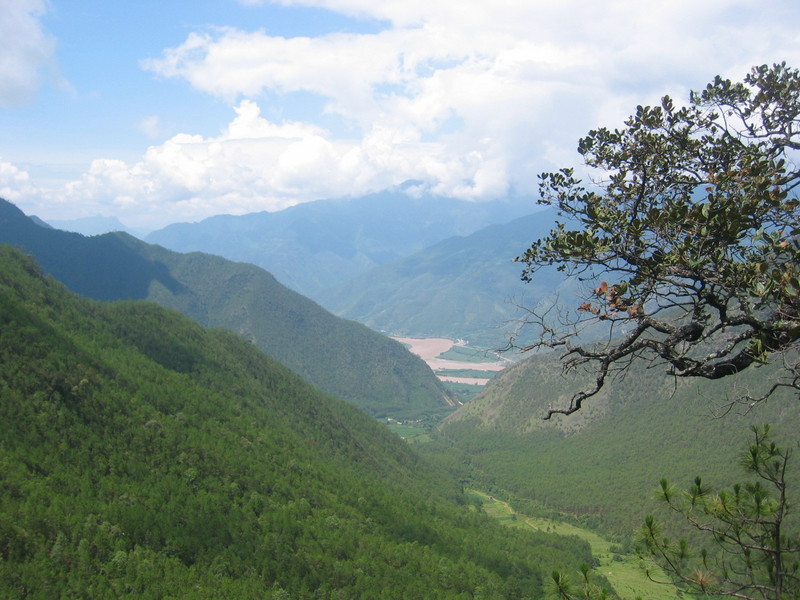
(315, 246)
(341, 357)
(463, 287)
(146, 457)
(603, 463)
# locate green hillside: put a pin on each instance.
(146, 457)
(341, 357)
(602, 463)
(463, 287)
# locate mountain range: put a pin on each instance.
(93, 226)
(462, 287)
(139, 373)
(315, 246)
(341, 357)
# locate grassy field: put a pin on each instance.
(410, 432)
(466, 373)
(623, 571)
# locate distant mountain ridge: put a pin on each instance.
(462, 287)
(341, 357)
(314, 246)
(97, 225)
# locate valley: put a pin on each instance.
(351, 300)
(440, 420)
(343, 358)
(145, 456)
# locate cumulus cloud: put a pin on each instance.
(471, 99)
(483, 92)
(25, 49)
(255, 164)
(427, 104)
(15, 184)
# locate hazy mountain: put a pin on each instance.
(613, 452)
(314, 246)
(92, 225)
(39, 222)
(144, 456)
(462, 287)
(341, 357)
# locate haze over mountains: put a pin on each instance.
(462, 287)
(93, 226)
(596, 467)
(419, 267)
(316, 246)
(341, 357)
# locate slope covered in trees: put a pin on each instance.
(146, 457)
(604, 462)
(341, 357)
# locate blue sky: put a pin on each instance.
(156, 112)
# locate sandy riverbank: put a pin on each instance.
(429, 350)
(467, 380)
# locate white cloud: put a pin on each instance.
(25, 49)
(471, 98)
(426, 104)
(488, 89)
(15, 184)
(254, 164)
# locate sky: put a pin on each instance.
(176, 110)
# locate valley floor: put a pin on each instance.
(431, 350)
(624, 571)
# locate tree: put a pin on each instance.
(754, 557)
(689, 233)
(561, 587)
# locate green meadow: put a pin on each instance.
(625, 572)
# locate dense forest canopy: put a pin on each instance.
(689, 231)
(143, 456)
